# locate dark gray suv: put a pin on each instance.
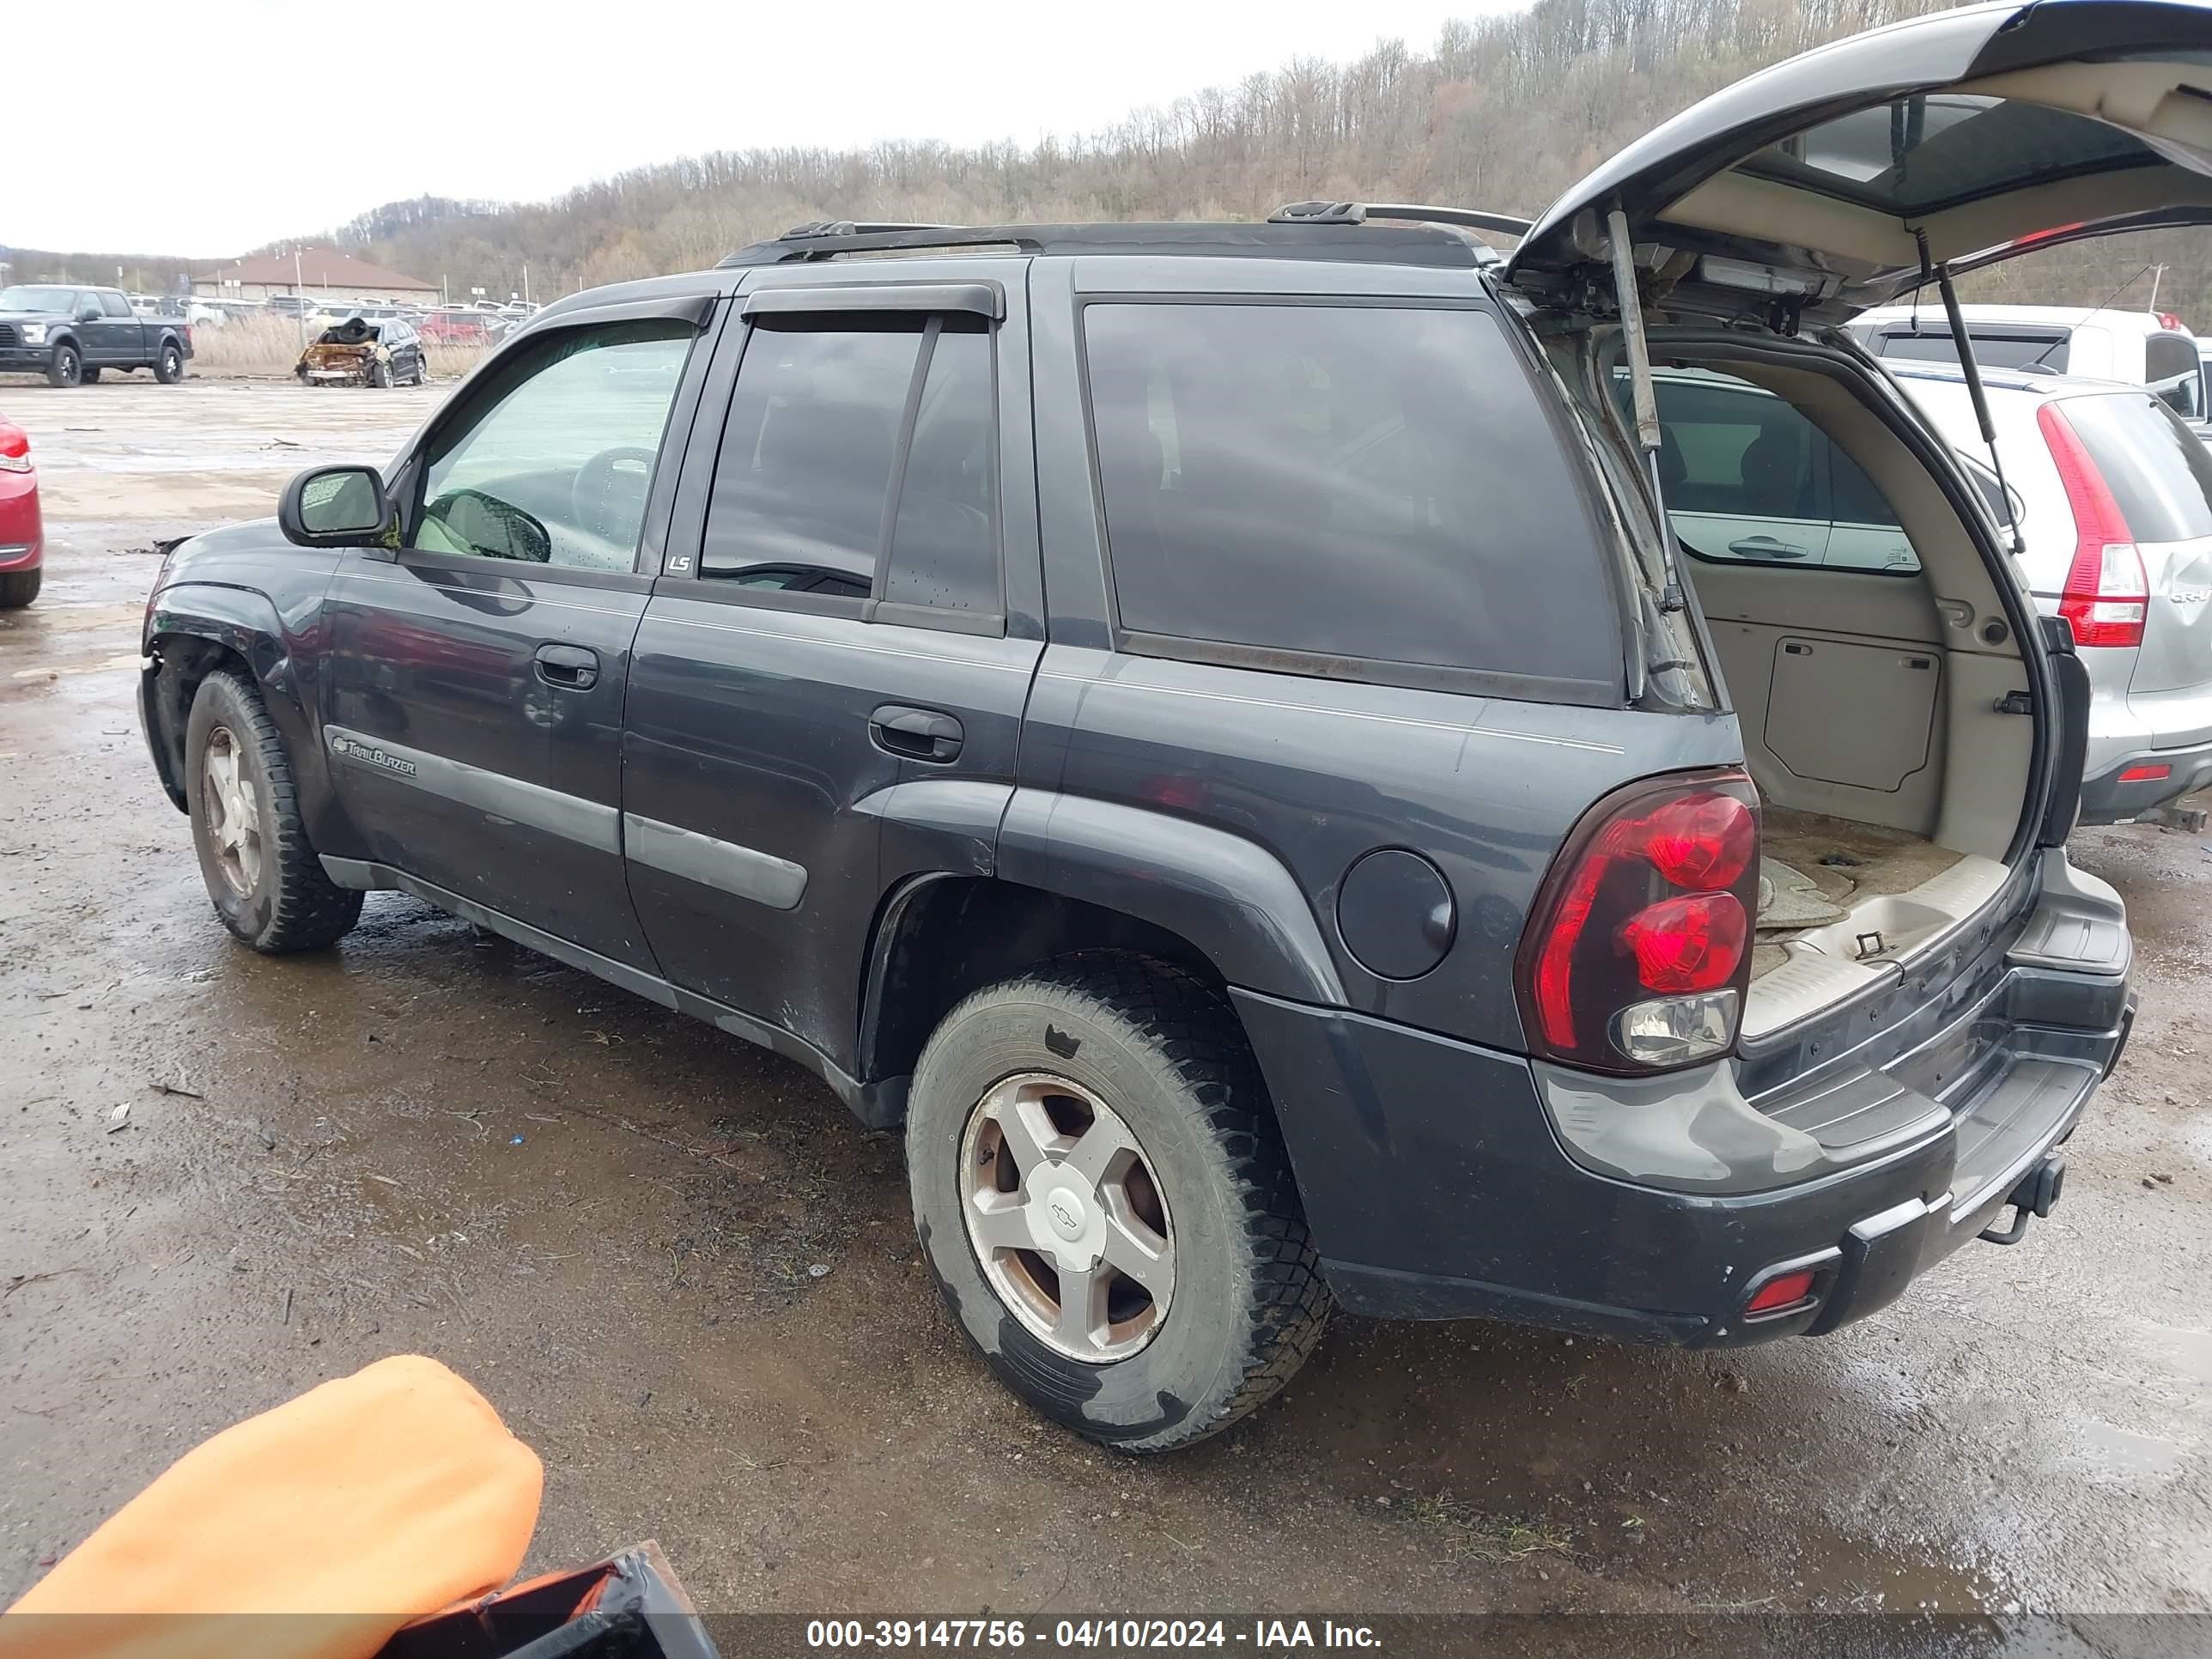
(1200, 723)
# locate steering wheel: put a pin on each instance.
(608, 494)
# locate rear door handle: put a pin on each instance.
(917, 733)
(570, 667)
(1767, 547)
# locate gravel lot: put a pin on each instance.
(610, 1219)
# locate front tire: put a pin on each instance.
(261, 872)
(67, 367)
(1103, 1197)
(170, 365)
(379, 375)
(19, 587)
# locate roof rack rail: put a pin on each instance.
(814, 228)
(1353, 213)
(1435, 245)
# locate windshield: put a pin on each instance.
(22, 298)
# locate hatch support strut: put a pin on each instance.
(1648, 434)
(1972, 371)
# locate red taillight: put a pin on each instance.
(1782, 1290)
(2106, 594)
(1638, 950)
(1688, 944)
(2150, 772)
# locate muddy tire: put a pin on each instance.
(1131, 1084)
(19, 587)
(169, 365)
(66, 368)
(262, 874)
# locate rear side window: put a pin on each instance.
(1750, 480)
(2157, 469)
(116, 305)
(2026, 348)
(1354, 484)
(835, 416)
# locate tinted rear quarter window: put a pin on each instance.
(1353, 484)
(2157, 470)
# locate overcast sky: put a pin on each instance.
(278, 118)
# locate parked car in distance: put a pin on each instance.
(22, 532)
(1208, 726)
(461, 325)
(360, 352)
(2116, 524)
(2143, 347)
(72, 334)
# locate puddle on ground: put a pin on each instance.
(2112, 1450)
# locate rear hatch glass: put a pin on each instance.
(2161, 474)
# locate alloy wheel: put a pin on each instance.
(231, 811)
(1067, 1217)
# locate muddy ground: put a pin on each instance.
(688, 1277)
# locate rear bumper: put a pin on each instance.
(1438, 1183)
(2109, 798)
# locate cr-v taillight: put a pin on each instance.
(1637, 952)
(2106, 593)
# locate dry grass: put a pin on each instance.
(266, 348)
(1468, 1534)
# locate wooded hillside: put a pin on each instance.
(1501, 113)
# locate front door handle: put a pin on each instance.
(570, 667)
(917, 733)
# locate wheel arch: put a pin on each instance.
(1073, 874)
(198, 629)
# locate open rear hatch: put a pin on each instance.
(1798, 197)
(1837, 180)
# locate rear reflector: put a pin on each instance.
(1785, 1290)
(2107, 594)
(2146, 774)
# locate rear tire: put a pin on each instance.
(261, 872)
(66, 368)
(170, 365)
(1241, 1303)
(19, 587)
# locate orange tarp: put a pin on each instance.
(361, 1505)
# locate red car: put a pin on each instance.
(461, 325)
(22, 533)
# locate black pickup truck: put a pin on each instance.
(72, 334)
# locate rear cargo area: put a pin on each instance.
(1869, 660)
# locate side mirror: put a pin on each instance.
(90, 314)
(335, 506)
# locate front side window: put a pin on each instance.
(1749, 479)
(860, 459)
(555, 466)
(1360, 485)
